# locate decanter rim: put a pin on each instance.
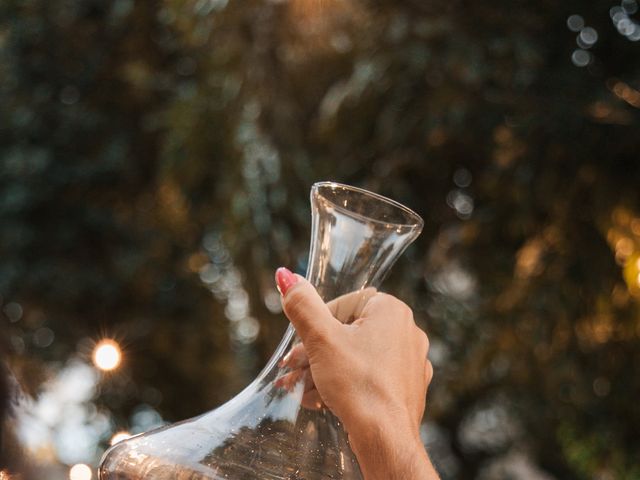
(418, 224)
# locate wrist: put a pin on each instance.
(387, 445)
(380, 421)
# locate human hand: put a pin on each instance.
(372, 373)
(346, 309)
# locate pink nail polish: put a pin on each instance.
(285, 360)
(284, 280)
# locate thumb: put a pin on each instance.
(302, 305)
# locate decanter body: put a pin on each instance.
(265, 432)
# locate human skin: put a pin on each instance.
(372, 373)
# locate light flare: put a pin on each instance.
(80, 471)
(107, 355)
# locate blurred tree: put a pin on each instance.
(151, 149)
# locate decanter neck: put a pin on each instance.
(354, 243)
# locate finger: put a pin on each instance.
(428, 372)
(308, 313)
(349, 306)
(289, 380)
(311, 400)
(383, 307)
(296, 358)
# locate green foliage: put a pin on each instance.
(131, 132)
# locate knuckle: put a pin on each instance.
(318, 337)
(401, 307)
(378, 298)
(429, 372)
(424, 339)
(395, 307)
(392, 302)
(404, 312)
(407, 311)
(375, 304)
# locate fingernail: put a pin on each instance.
(284, 280)
(285, 360)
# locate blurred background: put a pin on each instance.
(155, 165)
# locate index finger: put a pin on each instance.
(348, 307)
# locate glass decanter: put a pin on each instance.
(265, 432)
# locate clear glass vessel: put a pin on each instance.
(268, 431)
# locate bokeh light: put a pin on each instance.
(107, 355)
(580, 57)
(575, 23)
(119, 436)
(80, 471)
